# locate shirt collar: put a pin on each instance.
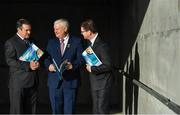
(65, 38)
(20, 36)
(93, 39)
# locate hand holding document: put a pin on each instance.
(51, 68)
(69, 66)
(90, 57)
(60, 69)
(34, 65)
(88, 67)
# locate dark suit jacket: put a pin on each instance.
(72, 53)
(101, 76)
(20, 73)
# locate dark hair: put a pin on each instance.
(89, 25)
(22, 21)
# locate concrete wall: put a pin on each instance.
(158, 48)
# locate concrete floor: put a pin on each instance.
(45, 109)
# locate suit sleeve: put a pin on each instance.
(105, 58)
(79, 60)
(48, 60)
(11, 58)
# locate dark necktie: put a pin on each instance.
(62, 46)
(89, 43)
(27, 42)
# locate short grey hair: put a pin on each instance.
(63, 22)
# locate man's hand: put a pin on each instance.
(51, 68)
(88, 67)
(69, 66)
(34, 65)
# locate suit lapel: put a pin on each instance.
(96, 42)
(67, 46)
(20, 45)
(57, 47)
(20, 40)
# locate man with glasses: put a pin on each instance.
(100, 76)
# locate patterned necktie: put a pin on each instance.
(62, 46)
(27, 42)
(89, 43)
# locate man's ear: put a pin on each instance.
(18, 29)
(66, 30)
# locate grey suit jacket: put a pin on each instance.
(101, 76)
(20, 74)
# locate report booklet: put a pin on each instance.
(33, 53)
(60, 69)
(90, 57)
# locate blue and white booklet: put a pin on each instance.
(90, 57)
(33, 53)
(60, 69)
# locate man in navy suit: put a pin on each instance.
(63, 47)
(100, 76)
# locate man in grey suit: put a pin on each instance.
(23, 78)
(100, 76)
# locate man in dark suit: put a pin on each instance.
(63, 47)
(23, 79)
(100, 76)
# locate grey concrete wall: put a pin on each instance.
(159, 55)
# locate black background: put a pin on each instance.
(118, 23)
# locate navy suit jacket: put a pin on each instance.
(72, 53)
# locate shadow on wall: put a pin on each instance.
(131, 90)
(134, 20)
